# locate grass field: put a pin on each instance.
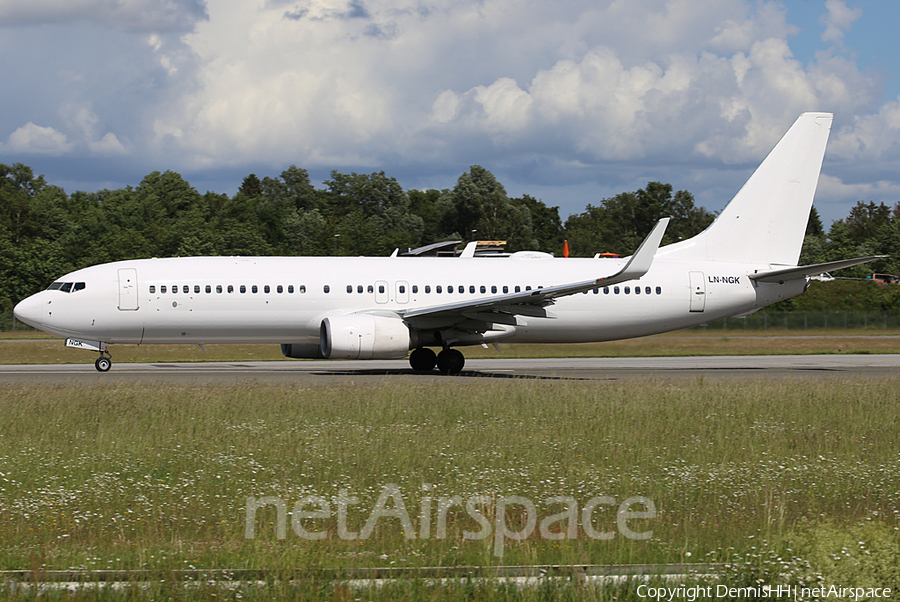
(38, 349)
(788, 480)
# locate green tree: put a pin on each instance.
(546, 225)
(251, 186)
(479, 203)
(620, 223)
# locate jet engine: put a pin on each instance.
(364, 336)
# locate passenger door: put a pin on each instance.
(128, 291)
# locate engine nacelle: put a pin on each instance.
(364, 337)
(302, 351)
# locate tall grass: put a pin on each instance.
(157, 477)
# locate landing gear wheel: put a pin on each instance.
(103, 364)
(450, 361)
(422, 359)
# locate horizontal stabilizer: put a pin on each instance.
(805, 271)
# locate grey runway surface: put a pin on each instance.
(477, 370)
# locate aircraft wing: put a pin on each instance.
(532, 303)
(804, 271)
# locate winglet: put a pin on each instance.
(640, 262)
(469, 251)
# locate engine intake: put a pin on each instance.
(364, 337)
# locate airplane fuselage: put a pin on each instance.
(285, 299)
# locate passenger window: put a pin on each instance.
(658, 290)
(605, 290)
(527, 288)
(266, 289)
(280, 289)
(518, 289)
(616, 290)
(302, 288)
(637, 290)
(162, 288)
(254, 289)
(472, 289)
(627, 290)
(596, 291)
(218, 288)
(381, 288)
(209, 289)
(349, 288)
(415, 289)
(427, 289)
(483, 289)
(505, 289)
(230, 288)
(370, 289)
(359, 289)
(196, 288)
(450, 289)
(493, 289)
(152, 288)
(437, 289)
(647, 290)
(326, 288)
(186, 289)
(243, 288)
(291, 288)
(402, 289)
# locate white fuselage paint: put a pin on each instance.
(200, 317)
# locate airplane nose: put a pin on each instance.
(30, 311)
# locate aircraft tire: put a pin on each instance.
(103, 364)
(450, 361)
(422, 359)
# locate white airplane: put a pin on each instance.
(383, 307)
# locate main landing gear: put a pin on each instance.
(104, 362)
(448, 361)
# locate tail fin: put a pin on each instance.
(766, 220)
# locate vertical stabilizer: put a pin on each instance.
(766, 220)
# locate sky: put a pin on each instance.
(570, 101)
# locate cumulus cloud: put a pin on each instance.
(838, 19)
(126, 14)
(38, 140)
(355, 82)
(649, 86)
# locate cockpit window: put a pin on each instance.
(66, 287)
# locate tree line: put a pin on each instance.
(45, 232)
